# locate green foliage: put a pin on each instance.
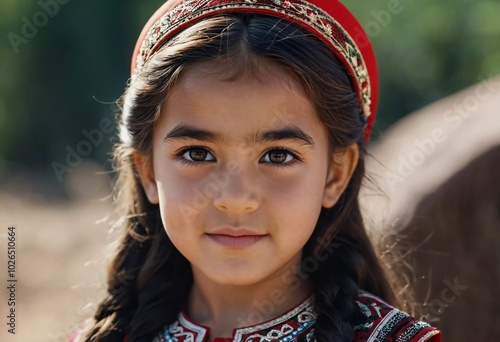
(429, 49)
(66, 78)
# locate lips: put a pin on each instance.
(235, 232)
(236, 237)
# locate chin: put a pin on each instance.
(243, 276)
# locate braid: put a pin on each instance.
(336, 287)
(351, 265)
(148, 282)
(113, 315)
(335, 293)
(160, 298)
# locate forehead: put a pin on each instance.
(261, 95)
(237, 74)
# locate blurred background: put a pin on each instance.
(64, 63)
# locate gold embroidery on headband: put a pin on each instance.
(298, 10)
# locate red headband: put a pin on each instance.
(329, 20)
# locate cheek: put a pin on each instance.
(174, 190)
(179, 203)
(295, 204)
(300, 190)
(174, 186)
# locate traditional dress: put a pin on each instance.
(333, 24)
(381, 322)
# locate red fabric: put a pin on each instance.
(386, 323)
(333, 7)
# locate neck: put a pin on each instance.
(223, 308)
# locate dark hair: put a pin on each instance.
(149, 280)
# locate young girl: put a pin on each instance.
(241, 157)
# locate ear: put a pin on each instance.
(145, 170)
(340, 171)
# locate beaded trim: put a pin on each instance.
(304, 314)
(412, 330)
(301, 11)
(306, 317)
(428, 335)
(386, 325)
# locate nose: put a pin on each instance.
(239, 193)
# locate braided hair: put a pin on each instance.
(148, 279)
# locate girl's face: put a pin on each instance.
(240, 172)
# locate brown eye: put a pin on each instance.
(197, 154)
(278, 156)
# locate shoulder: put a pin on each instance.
(379, 321)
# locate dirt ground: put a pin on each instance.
(60, 265)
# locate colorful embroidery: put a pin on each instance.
(295, 325)
(380, 322)
(301, 11)
(411, 331)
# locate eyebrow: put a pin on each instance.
(291, 133)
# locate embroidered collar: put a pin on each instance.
(377, 321)
(296, 324)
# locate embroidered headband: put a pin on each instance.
(329, 20)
